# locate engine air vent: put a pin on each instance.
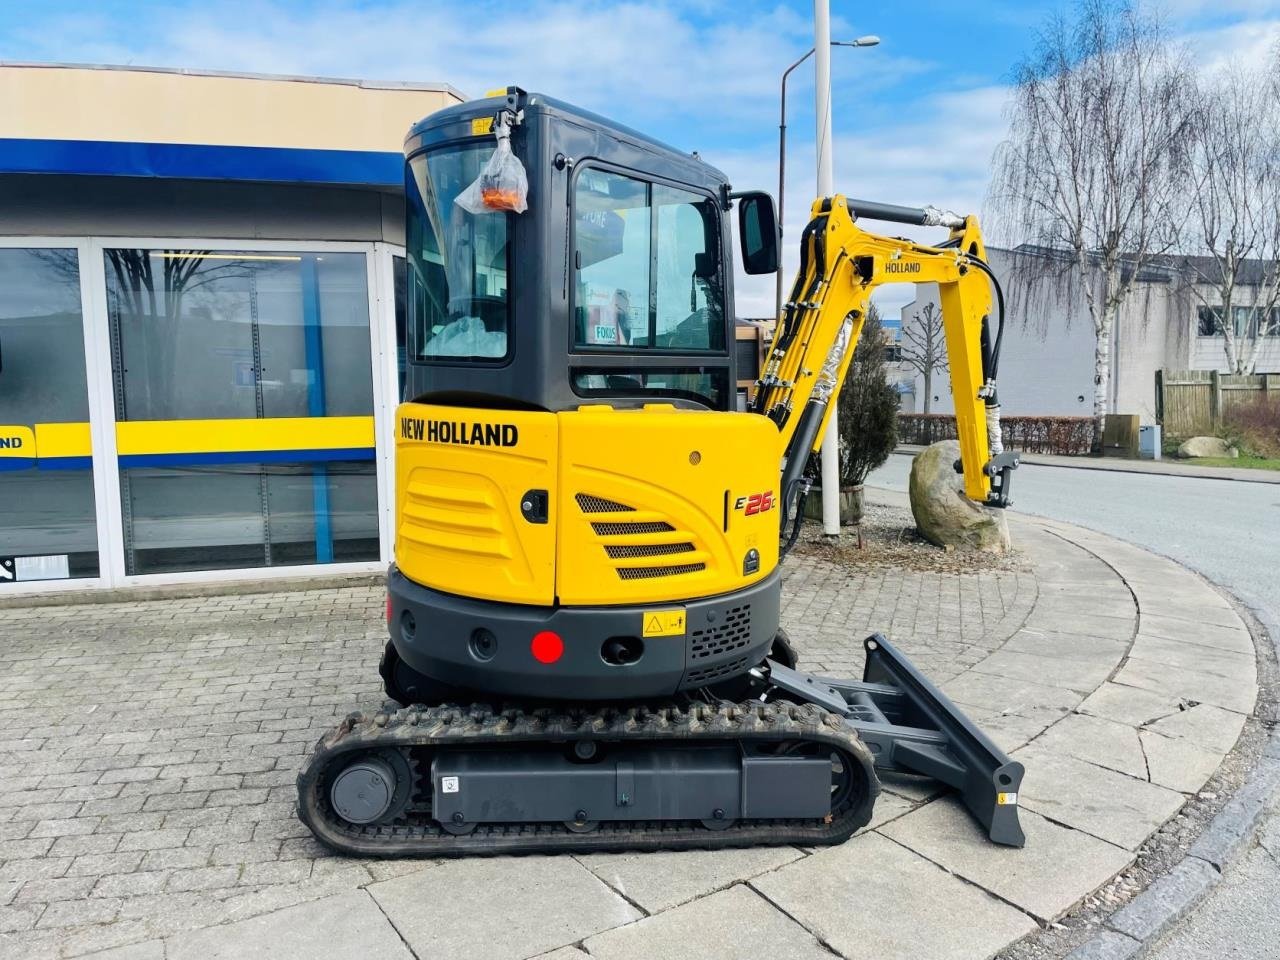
(648, 573)
(732, 633)
(627, 552)
(589, 504)
(623, 528)
(718, 671)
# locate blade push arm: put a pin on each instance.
(840, 266)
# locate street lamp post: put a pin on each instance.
(782, 142)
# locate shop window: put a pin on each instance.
(244, 408)
(48, 527)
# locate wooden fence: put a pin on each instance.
(1192, 402)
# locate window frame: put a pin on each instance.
(412, 354)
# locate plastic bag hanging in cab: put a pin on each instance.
(502, 184)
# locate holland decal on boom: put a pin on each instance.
(460, 432)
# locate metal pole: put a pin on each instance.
(826, 187)
(782, 172)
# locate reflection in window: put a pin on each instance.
(458, 260)
(48, 526)
(278, 338)
(647, 266)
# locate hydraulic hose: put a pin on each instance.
(991, 374)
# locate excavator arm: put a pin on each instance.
(841, 265)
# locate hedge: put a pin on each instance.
(1066, 436)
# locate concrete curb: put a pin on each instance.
(1135, 928)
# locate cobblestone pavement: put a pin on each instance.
(148, 752)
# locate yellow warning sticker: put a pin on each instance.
(1006, 799)
(481, 125)
(664, 623)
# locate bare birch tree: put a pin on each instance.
(1233, 183)
(1090, 166)
(923, 347)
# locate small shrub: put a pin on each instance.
(1254, 428)
(868, 407)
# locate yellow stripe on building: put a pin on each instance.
(142, 437)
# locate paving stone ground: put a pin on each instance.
(148, 752)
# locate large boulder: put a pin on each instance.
(944, 515)
(1206, 447)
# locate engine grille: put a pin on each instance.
(705, 675)
(648, 573)
(626, 552)
(603, 515)
(732, 633)
(592, 504)
(641, 526)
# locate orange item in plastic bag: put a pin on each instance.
(496, 198)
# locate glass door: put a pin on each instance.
(48, 517)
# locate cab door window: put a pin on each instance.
(647, 266)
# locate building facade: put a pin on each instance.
(1047, 358)
(198, 323)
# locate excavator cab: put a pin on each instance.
(584, 606)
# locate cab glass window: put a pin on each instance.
(647, 267)
(457, 289)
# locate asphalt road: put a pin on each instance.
(1230, 532)
(1227, 530)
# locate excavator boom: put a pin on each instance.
(841, 265)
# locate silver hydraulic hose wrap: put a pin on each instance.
(994, 441)
(934, 217)
(829, 375)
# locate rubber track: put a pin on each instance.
(452, 726)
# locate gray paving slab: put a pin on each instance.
(1204, 725)
(348, 926)
(1010, 695)
(149, 950)
(1234, 637)
(1131, 705)
(1237, 666)
(1055, 870)
(872, 897)
(658, 881)
(564, 953)
(734, 924)
(1177, 763)
(1079, 676)
(1066, 645)
(503, 908)
(1109, 805)
(1202, 686)
(1106, 743)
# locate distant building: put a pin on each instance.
(1047, 359)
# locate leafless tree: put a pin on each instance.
(924, 347)
(1089, 172)
(1233, 226)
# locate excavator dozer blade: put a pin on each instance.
(956, 752)
(912, 727)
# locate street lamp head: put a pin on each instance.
(871, 40)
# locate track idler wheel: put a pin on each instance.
(372, 788)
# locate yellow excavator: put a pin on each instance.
(585, 650)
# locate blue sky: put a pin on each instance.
(916, 119)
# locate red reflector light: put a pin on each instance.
(547, 647)
(388, 609)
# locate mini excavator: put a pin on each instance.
(585, 650)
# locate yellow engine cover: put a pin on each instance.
(643, 506)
